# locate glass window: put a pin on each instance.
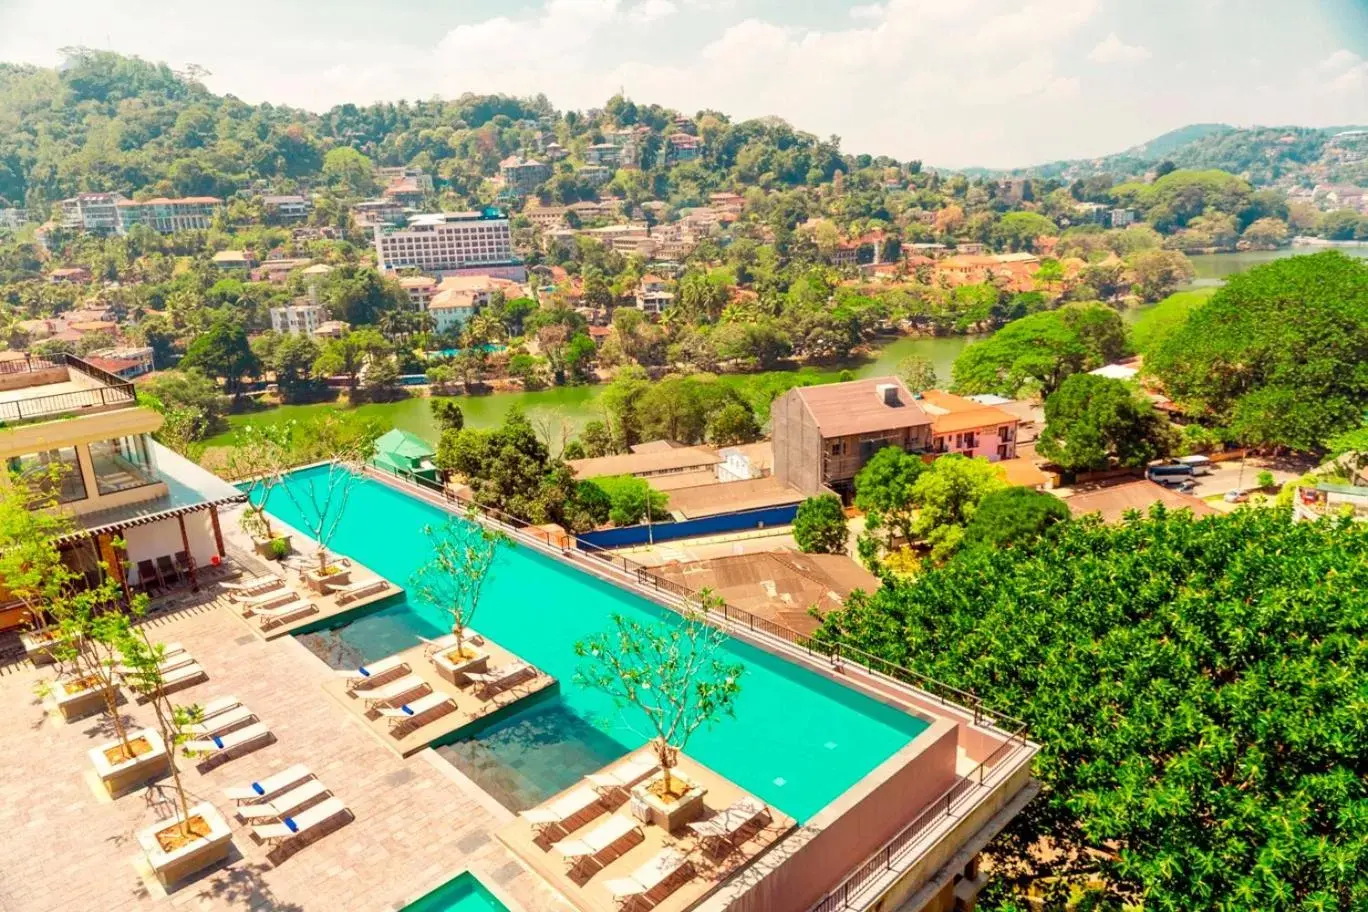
(52, 473)
(121, 464)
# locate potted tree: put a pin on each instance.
(320, 500)
(195, 836)
(463, 553)
(31, 567)
(258, 460)
(87, 651)
(675, 678)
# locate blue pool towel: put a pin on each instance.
(291, 825)
(364, 672)
(406, 709)
(218, 742)
(256, 787)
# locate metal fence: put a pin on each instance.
(112, 391)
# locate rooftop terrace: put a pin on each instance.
(33, 388)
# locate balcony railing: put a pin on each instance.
(114, 391)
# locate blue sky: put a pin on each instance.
(952, 82)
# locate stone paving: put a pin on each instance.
(416, 822)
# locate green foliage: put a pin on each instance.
(1195, 686)
(883, 490)
(1279, 354)
(1156, 323)
(447, 413)
(457, 570)
(946, 496)
(629, 498)
(918, 373)
(820, 525)
(1013, 516)
(190, 399)
(280, 548)
(1039, 351)
(1091, 421)
(223, 352)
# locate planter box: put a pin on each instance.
(455, 669)
(176, 865)
(319, 582)
(78, 704)
(120, 778)
(673, 815)
(263, 546)
(36, 646)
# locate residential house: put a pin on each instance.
(420, 289)
(1121, 218)
(521, 176)
(416, 176)
(290, 208)
(126, 362)
(595, 175)
(653, 294)
(168, 216)
(823, 435)
(680, 148)
(77, 433)
(371, 213)
(1114, 501)
(960, 425)
(299, 317)
(650, 460)
(604, 154)
(233, 259)
(95, 212)
(12, 219)
(547, 218)
(73, 275)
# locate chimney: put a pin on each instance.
(887, 393)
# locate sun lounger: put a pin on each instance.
(286, 804)
(217, 725)
(392, 692)
(270, 786)
(720, 832)
(170, 662)
(218, 746)
(301, 823)
(358, 590)
(411, 713)
(217, 706)
(285, 613)
(171, 680)
(657, 878)
(490, 683)
(255, 604)
(624, 775)
(373, 673)
(238, 591)
(600, 844)
(560, 812)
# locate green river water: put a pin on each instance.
(576, 405)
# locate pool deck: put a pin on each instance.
(469, 706)
(584, 884)
(415, 823)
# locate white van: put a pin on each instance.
(1200, 465)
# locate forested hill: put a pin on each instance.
(108, 122)
(1264, 156)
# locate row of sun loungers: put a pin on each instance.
(286, 805)
(272, 602)
(177, 670)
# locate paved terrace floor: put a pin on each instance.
(416, 823)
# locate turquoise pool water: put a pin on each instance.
(461, 894)
(798, 740)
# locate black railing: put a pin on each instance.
(113, 391)
(28, 364)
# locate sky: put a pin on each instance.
(954, 83)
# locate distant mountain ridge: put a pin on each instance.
(1265, 156)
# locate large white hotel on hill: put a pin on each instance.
(451, 243)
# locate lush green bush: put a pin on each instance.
(1197, 688)
(820, 526)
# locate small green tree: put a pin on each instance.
(918, 373)
(258, 460)
(453, 579)
(320, 498)
(946, 496)
(447, 413)
(31, 567)
(819, 527)
(673, 675)
(1091, 420)
(883, 490)
(1013, 516)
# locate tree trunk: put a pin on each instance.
(663, 753)
(322, 560)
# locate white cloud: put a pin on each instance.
(868, 11)
(1113, 50)
(1343, 73)
(651, 10)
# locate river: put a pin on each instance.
(576, 405)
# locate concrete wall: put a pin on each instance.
(797, 444)
(801, 869)
(22, 379)
(163, 538)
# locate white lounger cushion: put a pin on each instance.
(220, 722)
(268, 598)
(563, 808)
(269, 786)
(424, 704)
(285, 613)
(284, 805)
(240, 738)
(732, 820)
(388, 693)
(358, 589)
(374, 669)
(627, 774)
(602, 837)
(650, 875)
(293, 826)
(258, 584)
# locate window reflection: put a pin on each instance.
(50, 474)
(121, 464)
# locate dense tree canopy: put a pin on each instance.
(1197, 688)
(1279, 355)
(1013, 516)
(1091, 421)
(1040, 350)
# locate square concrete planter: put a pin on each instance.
(320, 582)
(668, 815)
(78, 698)
(38, 646)
(122, 777)
(262, 546)
(454, 668)
(175, 865)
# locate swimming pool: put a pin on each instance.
(461, 894)
(798, 740)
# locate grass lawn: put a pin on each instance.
(1155, 324)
